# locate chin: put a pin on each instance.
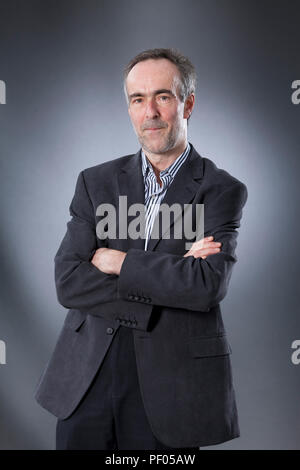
(155, 149)
(159, 147)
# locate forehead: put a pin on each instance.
(152, 74)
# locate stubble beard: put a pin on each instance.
(168, 143)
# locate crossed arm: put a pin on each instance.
(91, 279)
(110, 261)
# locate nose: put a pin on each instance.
(151, 109)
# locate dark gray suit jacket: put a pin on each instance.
(171, 302)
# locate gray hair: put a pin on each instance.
(184, 65)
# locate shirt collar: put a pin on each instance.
(171, 170)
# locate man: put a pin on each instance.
(143, 360)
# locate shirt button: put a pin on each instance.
(109, 331)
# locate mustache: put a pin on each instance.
(152, 125)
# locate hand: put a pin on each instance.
(108, 260)
(203, 248)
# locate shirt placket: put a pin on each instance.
(155, 196)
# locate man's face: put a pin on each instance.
(156, 111)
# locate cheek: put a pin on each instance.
(173, 119)
(136, 118)
(172, 115)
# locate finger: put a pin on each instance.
(203, 240)
(210, 251)
(199, 245)
(188, 253)
(207, 252)
(205, 245)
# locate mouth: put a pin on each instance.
(153, 129)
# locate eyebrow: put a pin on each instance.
(156, 92)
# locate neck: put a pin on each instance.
(162, 161)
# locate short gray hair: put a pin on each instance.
(184, 65)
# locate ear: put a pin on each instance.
(189, 105)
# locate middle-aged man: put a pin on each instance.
(143, 360)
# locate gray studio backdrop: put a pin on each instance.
(64, 110)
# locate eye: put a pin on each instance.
(137, 100)
(164, 98)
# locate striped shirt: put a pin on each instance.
(154, 193)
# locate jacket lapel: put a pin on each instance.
(131, 184)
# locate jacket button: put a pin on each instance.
(109, 331)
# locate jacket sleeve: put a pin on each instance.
(190, 283)
(79, 284)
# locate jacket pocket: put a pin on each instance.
(201, 346)
(74, 319)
